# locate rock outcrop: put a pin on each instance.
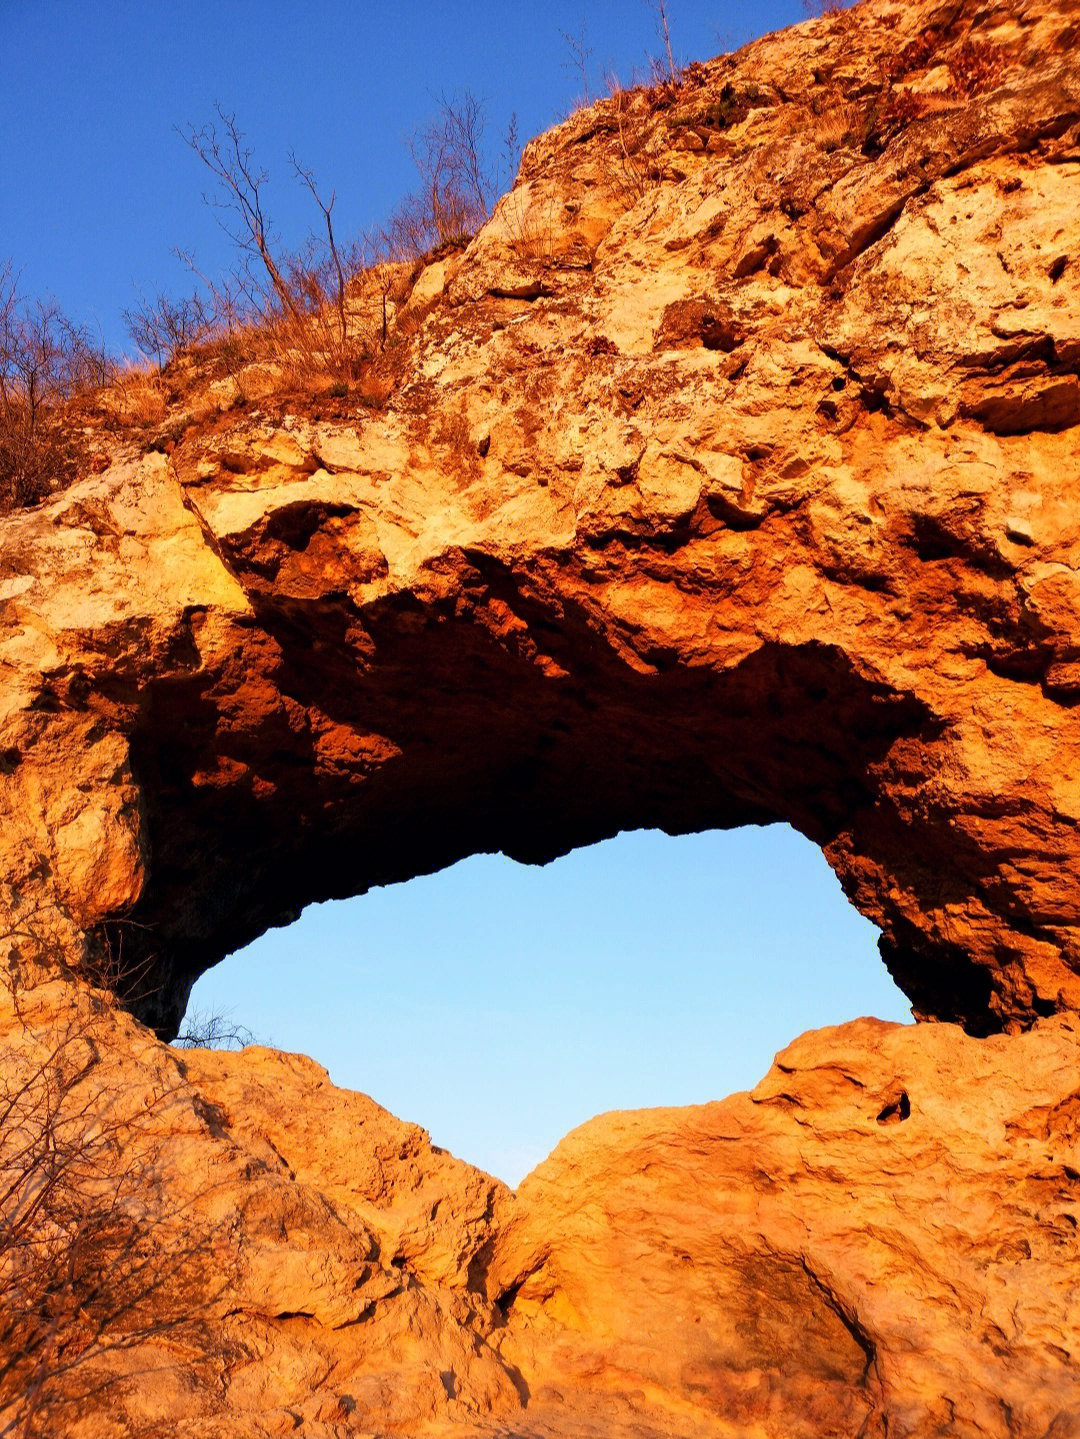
(727, 476)
(879, 1240)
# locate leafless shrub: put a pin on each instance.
(239, 195)
(457, 187)
(291, 308)
(212, 1030)
(52, 1235)
(137, 396)
(409, 232)
(579, 54)
(634, 166)
(331, 335)
(335, 259)
(45, 359)
(448, 154)
(324, 311)
(232, 307)
(93, 1257)
(162, 326)
(663, 30)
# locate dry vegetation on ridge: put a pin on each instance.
(327, 329)
(318, 320)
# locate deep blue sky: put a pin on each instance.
(97, 188)
(497, 1005)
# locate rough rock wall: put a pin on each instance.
(728, 476)
(879, 1240)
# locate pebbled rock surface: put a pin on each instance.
(728, 476)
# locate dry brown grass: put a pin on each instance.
(36, 459)
(532, 225)
(837, 125)
(634, 166)
(137, 398)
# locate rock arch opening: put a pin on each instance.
(327, 758)
(456, 747)
(581, 572)
(502, 1005)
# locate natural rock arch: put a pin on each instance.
(499, 759)
(687, 517)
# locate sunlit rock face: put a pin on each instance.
(879, 1239)
(728, 475)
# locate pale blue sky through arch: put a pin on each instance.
(500, 1004)
(495, 1004)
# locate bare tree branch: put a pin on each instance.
(326, 207)
(95, 1256)
(659, 9)
(580, 54)
(457, 188)
(45, 359)
(241, 185)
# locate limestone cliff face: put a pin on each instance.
(727, 476)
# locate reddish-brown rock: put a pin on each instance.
(879, 1240)
(728, 476)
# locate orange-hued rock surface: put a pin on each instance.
(728, 475)
(879, 1240)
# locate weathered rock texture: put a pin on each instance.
(728, 476)
(879, 1240)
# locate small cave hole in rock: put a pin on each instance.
(505, 1301)
(896, 1110)
(499, 1005)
